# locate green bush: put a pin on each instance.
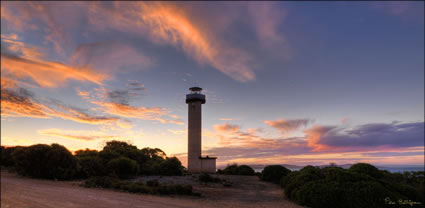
(321, 194)
(234, 169)
(245, 170)
(366, 169)
(361, 186)
(45, 161)
(274, 173)
(230, 169)
(171, 167)
(123, 167)
(6, 156)
(91, 166)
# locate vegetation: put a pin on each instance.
(44, 161)
(117, 159)
(123, 167)
(234, 169)
(363, 185)
(207, 178)
(274, 173)
(152, 187)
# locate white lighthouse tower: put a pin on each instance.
(195, 162)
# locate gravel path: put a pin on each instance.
(247, 191)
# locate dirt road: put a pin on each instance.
(247, 191)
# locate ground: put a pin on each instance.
(247, 191)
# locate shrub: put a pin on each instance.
(320, 194)
(338, 187)
(6, 156)
(44, 161)
(234, 169)
(152, 183)
(206, 178)
(366, 169)
(91, 166)
(230, 169)
(113, 183)
(123, 167)
(245, 170)
(171, 167)
(274, 173)
(102, 182)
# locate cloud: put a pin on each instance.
(235, 144)
(117, 103)
(377, 143)
(110, 57)
(76, 134)
(192, 28)
(56, 21)
(19, 102)
(144, 113)
(166, 23)
(12, 44)
(287, 125)
(227, 128)
(267, 18)
(366, 136)
(46, 73)
(124, 96)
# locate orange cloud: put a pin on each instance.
(128, 111)
(47, 74)
(287, 125)
(76, 135)
(18, 102)
(314, 134)
(14, 105)
(227, 128)
(166, 23)
(116, 102)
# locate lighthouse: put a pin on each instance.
(195, 162)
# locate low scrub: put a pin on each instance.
(138, 187)
(207, 178)
(235, 169)
(274, 173)
(363, 185)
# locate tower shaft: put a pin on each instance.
(194, 136)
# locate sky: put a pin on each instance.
(285, 82)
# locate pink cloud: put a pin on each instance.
(287, 125)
